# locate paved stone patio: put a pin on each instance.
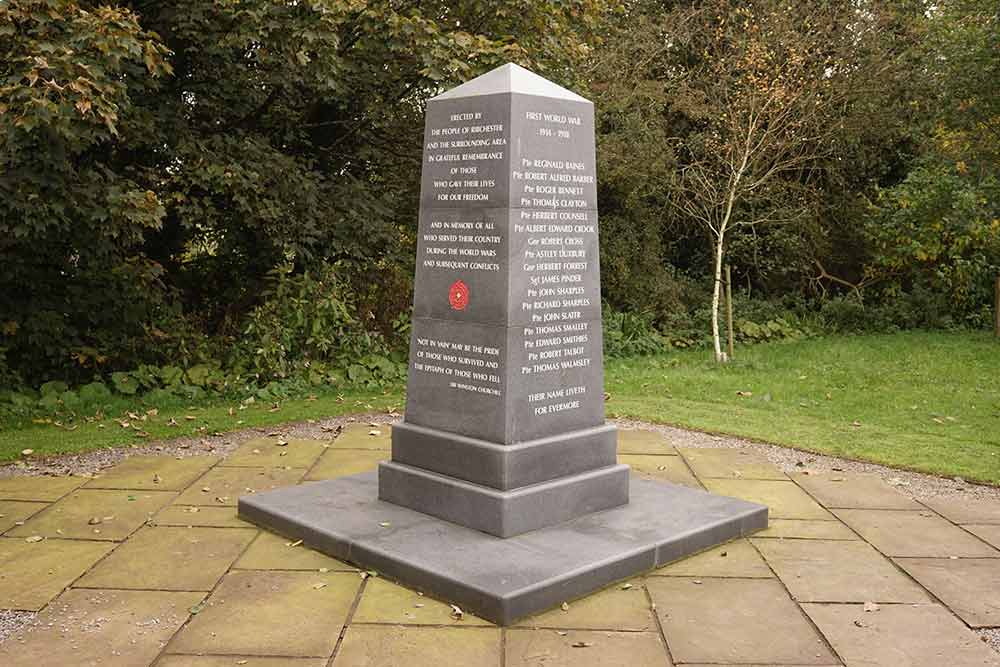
(147, 564)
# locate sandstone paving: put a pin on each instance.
(41, 489)
(364, 436)
(341, 462)
(801, 529)
(222, 487)
(32, 573)
(989, 533)
(153, 473)
(277, 451)
(409, 646)
(731, 464)
(854, 491)
(237, 661)
(915, 534)
(622, 606)
(663, 468)
(95, 514)
(965, 510)
(735, 621)
(386, 602)
(643, 442)
(274, 552)
(838, 571)
(171, 559)
(96, 627)
(735, 559)
(584, 648)
(13, 512)
(784, 499)
(194, 515)
(925, 635)
(969, 586)
(296, 614)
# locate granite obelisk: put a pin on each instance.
(504, 428)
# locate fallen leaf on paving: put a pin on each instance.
(222, 499)
(581, 644)
(697, 582)
(281, 442)
(293, 544)
(871, 606)
(157, 479)
(375, 432)
(94, 520)
(625, 587)
(374, 424)
(859, 623)
(723, 554)
(34, 538)
(385, 524)
(564, 606)
(419, 605)
(205, 489)
(320, 585)
(274, 433)
(192, 509)
(456, 612)
(561, 633)
(197, 608)
(324, 570)
(255, 451)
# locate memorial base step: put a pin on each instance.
(503, 513)
(502, 580)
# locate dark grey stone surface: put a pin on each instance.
(502, 580)
(504, 467)
(503, 513)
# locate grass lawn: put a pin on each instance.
(923, 401)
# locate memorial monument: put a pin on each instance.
(503, 493)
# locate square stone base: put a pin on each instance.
(500, 579)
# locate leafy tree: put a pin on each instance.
(161, 159)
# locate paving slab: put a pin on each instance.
(341, 462)
(88, 627)
(193, 515)
(236, 661)
(31, 574)
(731, 464)
(389, 603)
(987, 532)
(408, 646)
(274, 452)
(911, 635)
(801, 529)
(584, 648)
(297, 614)
(153, 473)
(783, 499)
(170, 559)
(120, 514)
(838, 571)
(735, 620)
(970, 587)
(915, 534)
(637, 441)
(664, 468)
(613, 608)
(364, 436)
(964, 510)
(12, 512)
(854, 491)
(41, 489)
(274, 552)
(225, 485)
(735, 559)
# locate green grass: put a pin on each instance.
(922, 401)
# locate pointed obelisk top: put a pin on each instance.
(510, 78)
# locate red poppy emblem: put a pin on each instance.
(458, 295)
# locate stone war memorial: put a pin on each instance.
(503, 494)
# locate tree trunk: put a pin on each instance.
(720, 356)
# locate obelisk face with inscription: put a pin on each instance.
(505, 384)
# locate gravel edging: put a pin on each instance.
(13, 622)
(91, 463)
(791, 461)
